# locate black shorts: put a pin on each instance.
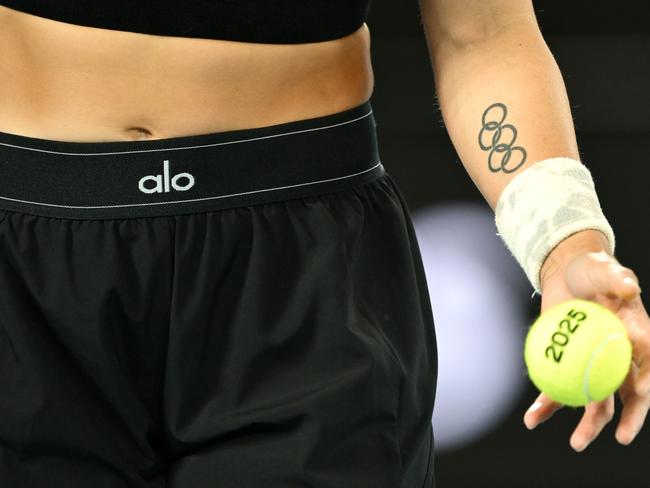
(237, 309)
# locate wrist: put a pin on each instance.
(582, 242)
(552, 202)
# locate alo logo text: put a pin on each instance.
(162, 182)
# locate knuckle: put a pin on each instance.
(630, 273)
(601, 256)
(617, 268)
(607, 412)
(625, 271)
(589, 433)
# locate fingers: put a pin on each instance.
(605, 276)
(637, 321)
(632, 420)
(596, 416)
(540, 411)
(635, 409)
(642, 384)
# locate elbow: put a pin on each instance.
(452, 45)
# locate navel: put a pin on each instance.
(137, 133)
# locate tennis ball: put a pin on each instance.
(578, 352)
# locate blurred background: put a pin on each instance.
(481, 299)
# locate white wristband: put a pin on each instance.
(543, 205)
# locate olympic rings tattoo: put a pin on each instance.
(493, 122)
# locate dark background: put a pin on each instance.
(603, 50)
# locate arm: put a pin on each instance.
(492, 64)
(493, 67)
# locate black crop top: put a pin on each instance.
(266, 21)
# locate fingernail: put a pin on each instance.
(535, 406)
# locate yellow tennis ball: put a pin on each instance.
(578, 352)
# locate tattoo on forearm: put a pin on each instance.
(512, 157)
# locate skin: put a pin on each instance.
(74, 83)
(492, 67)
(68, 82)
(582, 269)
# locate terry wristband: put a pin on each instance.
(542, 206)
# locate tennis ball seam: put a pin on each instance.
(601, 346)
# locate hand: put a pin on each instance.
(579, 271)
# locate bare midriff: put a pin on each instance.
(67, 82)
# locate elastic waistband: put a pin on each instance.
(188, 174)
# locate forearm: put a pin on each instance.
(509, 83)
(516, 69)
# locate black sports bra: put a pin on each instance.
(265, 21)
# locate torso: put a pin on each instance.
(66, 82)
